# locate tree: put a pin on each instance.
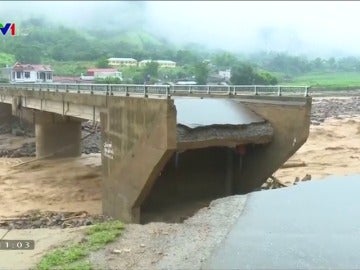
(102, 63)
(244, 74)
(265, 78)
(331, 63)
(282, 62)
(28, 54)
(151, 69)
(318, 64)
(349, 63)
(186, 57)
(6, 59)
(224, 60)
(201, 71)
(138, 78)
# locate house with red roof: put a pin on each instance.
(29, 73)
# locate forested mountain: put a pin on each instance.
(40, 41)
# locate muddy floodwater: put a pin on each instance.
(69, 184)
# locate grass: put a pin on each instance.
(328, 80)
(74, 256)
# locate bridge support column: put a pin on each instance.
(139, 137)
(57, 135)
(5, 113)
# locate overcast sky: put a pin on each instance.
(310, 27)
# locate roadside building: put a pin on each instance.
(101, 73)
(29, 73)
(122, 62)
(225, 74)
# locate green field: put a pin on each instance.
(331, 81)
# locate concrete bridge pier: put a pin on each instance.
(139, 137)
(57, 135)
(5, 113)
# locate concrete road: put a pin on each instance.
(315, 225)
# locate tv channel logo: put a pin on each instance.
(8, 26)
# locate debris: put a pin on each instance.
(293, 164)
(307, 177)
(273, 183)
(277, 181)
(117, 251)
(49, 219)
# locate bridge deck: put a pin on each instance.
(195, 112)
(209, 122)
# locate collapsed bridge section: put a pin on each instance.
(186, 150)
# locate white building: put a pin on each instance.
(225, 74)
(122, 62)
(186, 83)
(101, 73)
(162, 63)
(28, 73)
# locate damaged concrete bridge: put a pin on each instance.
(163, 145)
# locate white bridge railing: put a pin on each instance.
(163, 90)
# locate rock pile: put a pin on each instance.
(334, 107)
(91, 135)
(26, 150)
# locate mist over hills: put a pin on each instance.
(73, 36)
(239, 27)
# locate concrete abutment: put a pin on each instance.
(290, 119)
(139, 137)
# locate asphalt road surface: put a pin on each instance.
(314, 225)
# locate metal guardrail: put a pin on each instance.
(163, 90)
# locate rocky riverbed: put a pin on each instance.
(337, 107)
(91, 139)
